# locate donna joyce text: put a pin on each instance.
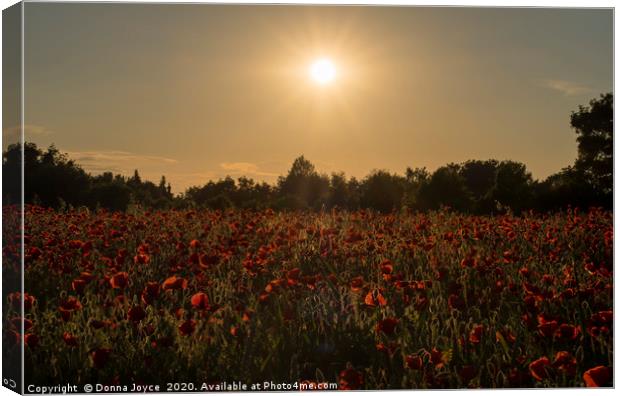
(88, 388)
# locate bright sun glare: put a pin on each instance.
(323, 71)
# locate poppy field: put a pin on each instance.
(365, 300)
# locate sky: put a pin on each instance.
(198, 92)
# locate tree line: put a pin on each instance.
(475, 186)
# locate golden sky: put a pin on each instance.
(197, 92)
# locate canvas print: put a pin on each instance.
(228, 197)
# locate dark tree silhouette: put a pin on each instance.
(480, 178)
(303, 187)
(568, 187)
(595, 144)
(382, 191)
(513, 186)
(110, 192)
(50, 178)
(414, 180)
(446, 187)
(339, 194)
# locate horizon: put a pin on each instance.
(274, 183)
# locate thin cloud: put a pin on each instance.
(567, 88)
(116, 156)
(244, 168)
(150, 167)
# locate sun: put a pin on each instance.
(323, 71)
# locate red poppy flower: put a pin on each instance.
(78, 285)
(413, 362)
(194, 244)
(547, 329)
(566, 363)
(70, 339)
(31, 340)
(34, 253)
(100, 357)
(456, 302)
(357, 283)
(375, 298)
(206, 260)
(311, 280)
(17, 323)
(292, 276)
(387, 326)
(200, 301)
(468, 262)
(179, 313)
(386, 269)
(567, 332)
(174, 283)
(120, 299)
(187, 327)
(86, 277)
(566, 294)
(142, 258)
(15, 300)
(119, 280)
(475, 335)
(437, 358)
(150, 292)
(350, 379)
(75, 244)
(69, 306)
(163, 342)
(539, 369)
(597, 376)
(421, 302)
(99, 324)
(596, 331)
(602, 317)
(136, 314)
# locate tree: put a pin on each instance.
(382, 191)
(480, 178)
(339, 191)
(304, 186)
(594, 127)
(513, 186)
(414, 180)
(567, 187)
(445, 187)
(135, 181)
(52, 179)
(49, 176)
(112, 194)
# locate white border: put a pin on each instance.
(478, 3)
